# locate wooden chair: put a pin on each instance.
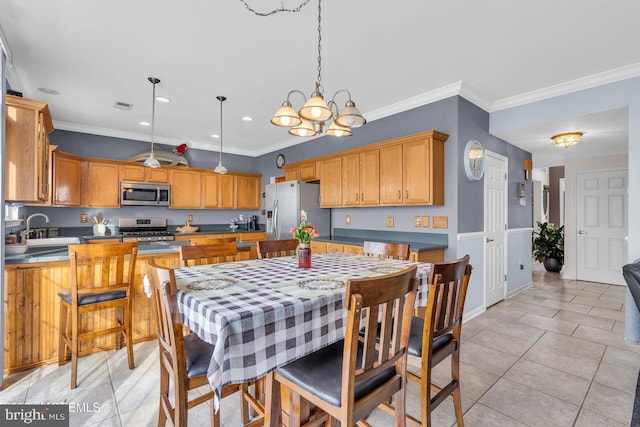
(438, 334)
(208, 254)
(386, 250)
(98, 281)
(184, 359)
(276, 248)
(350, 378)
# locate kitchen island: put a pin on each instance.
(32, 305)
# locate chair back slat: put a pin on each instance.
(387, 302)
(386, 250)
(208, 254)
(276, 248)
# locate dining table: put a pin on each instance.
(264, 313)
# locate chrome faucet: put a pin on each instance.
(30, 217)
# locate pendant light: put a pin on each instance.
(220, 169)
(151, 161)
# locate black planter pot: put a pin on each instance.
(552, 264)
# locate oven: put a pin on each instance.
(144, 230)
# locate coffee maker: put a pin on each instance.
(253, 222)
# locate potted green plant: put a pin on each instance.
(548, 246)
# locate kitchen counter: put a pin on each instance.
(419, 242)
(60, 253)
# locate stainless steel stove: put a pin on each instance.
(144, 230)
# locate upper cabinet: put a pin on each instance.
(361, 179)
(218, 191)
(102, 186)
(186, 188)
(28, 125)
(136, 172)
(331, 182)
(67, 175)
(303, 171)
(247, 191)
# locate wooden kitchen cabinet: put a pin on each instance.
(28, 125)
(391, 175)
(305, 171)
(134, 172)
(247, 191)
(102, 184)
(186, 188)
(67, 175)
(331, 182)
(318, 247)
(218, 191)
(361, 178)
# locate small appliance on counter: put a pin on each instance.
(253, 223)
(144, 230)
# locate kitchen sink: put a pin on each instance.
(53, 241)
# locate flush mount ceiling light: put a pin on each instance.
(566, 140)
(220, 169)
(315, 113)
(151, 161)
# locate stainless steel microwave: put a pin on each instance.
(144, 194)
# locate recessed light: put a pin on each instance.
(215, 135)
(247, 118)
(48, 91)
(162, 99)
(144, 123)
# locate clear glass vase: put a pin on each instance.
(304, 255)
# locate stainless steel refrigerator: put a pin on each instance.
(285, 200)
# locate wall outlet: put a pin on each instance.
(84, 218)
(440, 222)
(425, 221)
(417, 221)
(348, 219)
(521, 266)
(189, 217)
(390, 221)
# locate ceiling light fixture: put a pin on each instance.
(566, 140)
(220, 169)
(151, 161)
(315, 113)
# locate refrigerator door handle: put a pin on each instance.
(276, 229)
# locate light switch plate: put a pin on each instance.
(348, 219)
(425, 222)
(84, 218)
(389, 221)
(417, 221)
(440, 222)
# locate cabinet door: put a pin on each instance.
(226, 191)
(331, 182)
(66, 181)
(351, 249)
(26, 157)
(318, 247)
(103, 185)
(157, 175)
(291, 174)
(132, 172)
(370, 177)
(186, 188)
(307, 171)
(416, 172)
(391, 175)
(351, 180)
(247, 192)
(209, 190)
(335, 247)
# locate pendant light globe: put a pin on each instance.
(220, 169)
(151, 161)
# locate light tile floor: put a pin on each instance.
(552, 355)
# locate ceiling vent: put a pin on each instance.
(122, 105)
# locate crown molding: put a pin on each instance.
(473, 95)
(610, 76)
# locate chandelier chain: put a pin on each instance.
(319, 45)
(274, 11)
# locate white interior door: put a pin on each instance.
(495, 227)
(601, 209)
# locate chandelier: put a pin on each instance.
(312, 118)
(566, 140)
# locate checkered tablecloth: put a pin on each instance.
(264, 313)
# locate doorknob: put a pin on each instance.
(489, 240)
(582, 232)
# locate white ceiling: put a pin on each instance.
(391, 56)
